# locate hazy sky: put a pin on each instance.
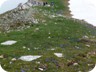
(84, 9)
(6, 5)
(2, 1)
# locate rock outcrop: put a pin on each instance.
(30, 3)
(16, 18)
(22, 15)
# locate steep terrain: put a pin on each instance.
(45, 30)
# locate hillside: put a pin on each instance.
(45, 31)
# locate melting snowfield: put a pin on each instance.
(6, 5)
(84, 9)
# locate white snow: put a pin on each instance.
(9, 42)
(58, 54)
(84, 9)
(2, 70)
(94, 69)
(29, 57)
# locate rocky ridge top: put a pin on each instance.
(23, 14)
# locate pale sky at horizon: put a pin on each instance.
(2, 1)
(84, 9)
(6, 5)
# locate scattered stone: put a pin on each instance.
(49, 33)
(37, 62)
(55, 23)
(36, 48)
(9, 42)
(60, 15)
(92, 53)
(48, 5)
(58, 54)
(29, 49)
(88, 45)
(85, 37)
(90, 64)
(53, 49)
(43, 21)
(79, 71)
(93, 36)
(29, 57)
(36, 29)
(35, 21)
(13, 59)
(77, 47)
(70, 63)
(49, 37)
(10, 62)
(1, 56)
(24, 47)
(41, 69)
(45, 24)
(53, 16)
(75, 64)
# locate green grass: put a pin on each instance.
(64, 34)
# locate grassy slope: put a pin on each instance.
(64, 35)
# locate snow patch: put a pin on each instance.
(10, 42)
(29, 57)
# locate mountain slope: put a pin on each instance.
(54, 33)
